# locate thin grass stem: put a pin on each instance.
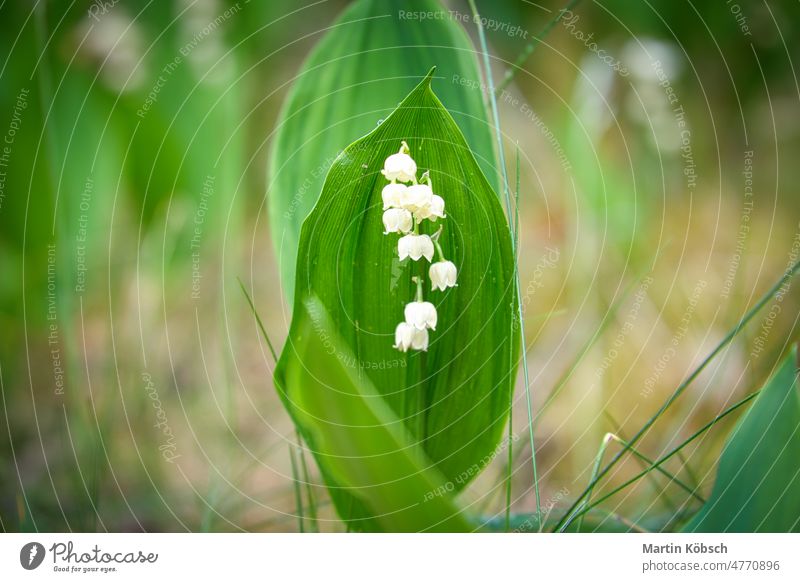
(567, 519)
(502, 159)
(258, 320)
(298, 493)
(531, 47)
(598, 459)
(312, 502)
(660, 461)
(647, 461)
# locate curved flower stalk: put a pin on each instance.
(404, 209)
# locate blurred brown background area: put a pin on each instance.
(658, 202)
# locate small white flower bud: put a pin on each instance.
(407, 336)
(400, 166)
(416, 197)
(397, 220)
(421, 314)
(442, 275)
(391, 195)
(415, 246)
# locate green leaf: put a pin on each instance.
(758, 481)
(452, 399)
(358, 441)
(355, 76)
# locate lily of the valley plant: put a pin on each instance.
(405, 207)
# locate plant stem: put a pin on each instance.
(528, 50)
(312, 503)
(501, 154)
(298, 493)
(418, 281)
(595, 469)
(258, 321)
(647, 462)
(510, 459)
(439, 250)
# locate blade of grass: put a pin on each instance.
(647, 461)
(504, 172)
(585, 349)
(304, 467)
(516, 195)
(788, 274)
(694, 482)
(95, 484)
(531, 46)
(607, 440)
(312, 502)
(298, 493)
(509, 461)
(510, 458)
(258, 320)
(650, 464)
(658, 463)
(601, 451)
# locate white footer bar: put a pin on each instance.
(407, 558)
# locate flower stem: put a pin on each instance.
(426, 179)
(439, 250)
(418, 281)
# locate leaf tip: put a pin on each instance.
(429, 77)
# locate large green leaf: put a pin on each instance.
(359, 442)
(453, 399)
(758, 482)
(355, 76)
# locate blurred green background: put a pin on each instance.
(659, 199)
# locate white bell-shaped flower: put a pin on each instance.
(415, 246)
(442, 275)
(416, 197)
(400, 166)
(433, 210)
(392, 194)
(407, 336)
(397, 220)
(421, 314)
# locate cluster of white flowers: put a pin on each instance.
(405, 206)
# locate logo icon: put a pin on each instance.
(31, 555)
